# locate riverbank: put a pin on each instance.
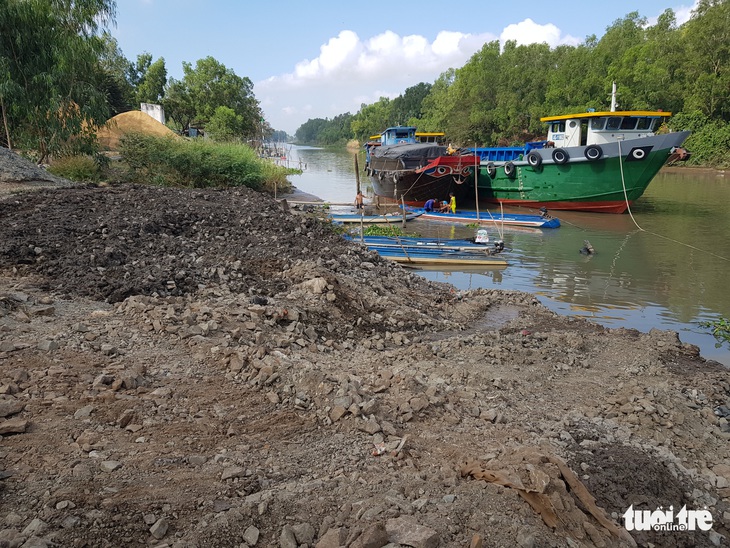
(201, 368)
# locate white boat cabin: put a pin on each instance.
(597, 128)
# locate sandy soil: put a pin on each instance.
(201, 368)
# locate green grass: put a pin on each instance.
(81, 169)
(200, 164)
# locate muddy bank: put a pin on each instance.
(200, 368)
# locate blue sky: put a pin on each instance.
(323, 58)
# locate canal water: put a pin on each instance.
(666, 266)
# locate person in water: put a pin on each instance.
(430, 205)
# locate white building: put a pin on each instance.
(156, 111)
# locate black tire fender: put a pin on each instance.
(509, 169)
(560, 156)
(491, 170)
(534, 159)
(593, 153)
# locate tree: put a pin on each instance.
(50, 72)
(207, 86)
(115, 72)
(708, 41)
(151, 87)
(224, 125)
(406, 108)
(372, 119)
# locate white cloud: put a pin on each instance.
(529, 32)
(350, 71)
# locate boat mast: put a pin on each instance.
(613, 98)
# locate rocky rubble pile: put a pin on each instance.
(200, 368)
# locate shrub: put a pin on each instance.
(720, 329)
(709, 142)
(199, 164)
(82, 169)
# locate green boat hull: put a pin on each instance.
(608, 184)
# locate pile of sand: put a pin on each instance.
(126, 122)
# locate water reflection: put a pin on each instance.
(665, 267)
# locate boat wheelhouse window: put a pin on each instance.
(402, 134)
(598, 123)
(558, 127)
(645, 124)
(614, 122)
(628, 123)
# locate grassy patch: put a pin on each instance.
(199, 164)
(81, 169)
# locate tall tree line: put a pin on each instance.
(499, 95)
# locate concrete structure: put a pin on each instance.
(156, 111)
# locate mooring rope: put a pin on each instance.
(628, 207)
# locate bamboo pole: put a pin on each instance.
(476, 180)
(357, 173)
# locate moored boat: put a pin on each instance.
(406, 165)
(420, 251)
(591, 161)
(373, 219)
(489, 218)
(416, 244)
(443, 258)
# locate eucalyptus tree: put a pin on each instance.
(50, 73)
(115, 75)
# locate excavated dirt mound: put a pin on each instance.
(132, 121)
(17, 173)
(196, 368)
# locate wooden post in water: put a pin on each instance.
(357, 173)
(476, 180)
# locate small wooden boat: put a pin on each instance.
(434, 252)
(391, 218)
(488, 218)
(439, 257)
(416, 244)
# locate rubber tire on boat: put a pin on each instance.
(560, 156)
(395, 178)
(638, 154)
(491, 170)
(509, 170)
(534, 159)
(593, 152)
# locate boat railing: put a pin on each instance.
(506, 154)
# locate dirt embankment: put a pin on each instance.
(200, 368)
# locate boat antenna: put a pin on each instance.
(613, 97)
